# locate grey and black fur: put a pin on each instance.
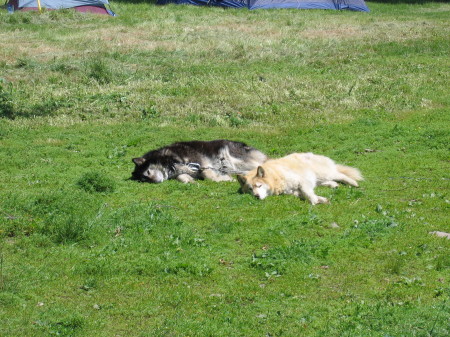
(185, 161)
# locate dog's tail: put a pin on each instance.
(350, 172)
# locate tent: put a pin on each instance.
(90, 6)
(354, 5)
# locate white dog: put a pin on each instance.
(297, 174)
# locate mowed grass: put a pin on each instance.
(86, 252)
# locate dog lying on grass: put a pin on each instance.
(297, 174)
(185, 161)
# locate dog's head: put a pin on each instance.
(147, 172)
(256, 185)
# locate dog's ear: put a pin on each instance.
(241, 179)
(260, 172)
(138, 161)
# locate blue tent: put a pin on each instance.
(354, 5)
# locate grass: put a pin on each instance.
(86, 252)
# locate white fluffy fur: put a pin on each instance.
(298, 174)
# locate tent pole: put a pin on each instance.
(39, 5)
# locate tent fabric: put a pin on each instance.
(354, 5)
(219, 3)
(357, 5)
(92, 6)
(59, 4)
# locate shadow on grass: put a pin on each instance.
(10, 109)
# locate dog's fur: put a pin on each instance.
(297, 174)
(185, 161)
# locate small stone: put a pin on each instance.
(441, 234)
(334, 225)
(96, 307)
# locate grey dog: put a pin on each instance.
(216, 160)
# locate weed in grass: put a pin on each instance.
(2, 279)
(90, 284)
(7, 108)
(47, 107)
(100, 71)
(151, 111)
(117, 153)
(96, 182)
(17, 220)
(187, 268)
(8, 299)
(64, 67)
(395, 264)
(60, 322)
(347, 194)
(65, 228)
(371, 229)
(223, 227)
(18, 225)
(63, 216)
(442, 262)
(98, 266)
(25, 63)
(137, 218)
(375, 228)
(274, 261)
(236, 120)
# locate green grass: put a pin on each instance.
(86, 252)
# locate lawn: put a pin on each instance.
(86, 252)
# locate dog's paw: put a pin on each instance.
(185, 178)
(330, 183)
(224, 178)
(320, 200)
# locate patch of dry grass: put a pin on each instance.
(225, 65)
